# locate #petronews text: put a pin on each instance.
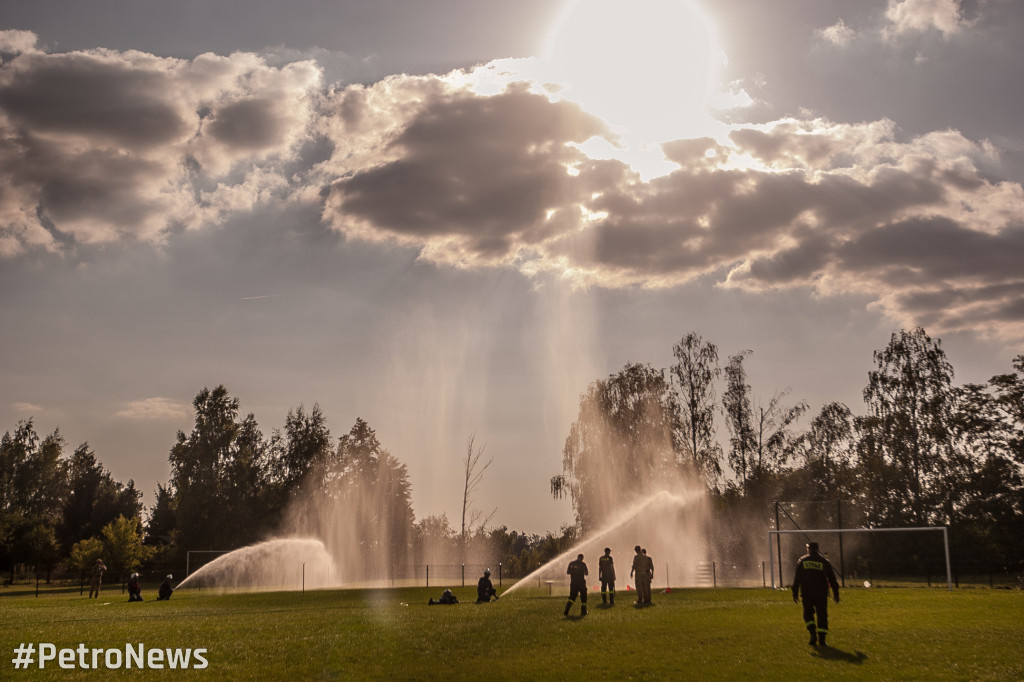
(111, 659)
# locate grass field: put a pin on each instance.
(735, 634)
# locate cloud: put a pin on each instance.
(154, 409)
(472, 179)
(17, 42)
(839, 34)
(98, 146)
(27, 408)
(487, 168)
(915, 16)
(834, 208)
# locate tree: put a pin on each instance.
(909, 394)
(361, 506)
(620, 446)
(15, 450)
(34, 485)
(94, 499)
(739, 418)
(122, 545)
(474, 474)
(435, 540)
(695, 372)
(250, 505)
(198, 462)
(307, 447)
(1008, 390)
(773, 441)
(161, 525)
(84, 555)
(827, 450)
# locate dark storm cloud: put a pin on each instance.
(484, 169)
(99, 95)
(249, 124)
(939, 250)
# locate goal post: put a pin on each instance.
(189, 553)
(773, 536)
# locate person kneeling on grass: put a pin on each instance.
(134, 588)
(165, 588)
(485, 588)
(446, 598)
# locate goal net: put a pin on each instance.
(872, 556)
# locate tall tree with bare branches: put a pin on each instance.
(474, 474)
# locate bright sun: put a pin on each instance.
(645, 66)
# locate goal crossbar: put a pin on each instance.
(776, 533)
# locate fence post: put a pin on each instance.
(763, 582)
(499, 574)
(428, 575)
(463, 575)
(714, 575)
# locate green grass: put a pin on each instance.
(735, 634)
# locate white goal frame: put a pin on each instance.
(776, 533)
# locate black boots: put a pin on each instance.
(584, 611)
(821, 638)
(568, 605)
(813, 639)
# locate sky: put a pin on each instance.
(449, 218)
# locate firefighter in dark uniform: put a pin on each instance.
(577, 573)
(485, 588)
(814, 576)
(606, 573)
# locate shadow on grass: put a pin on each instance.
(830, 653)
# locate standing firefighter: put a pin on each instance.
(649, 577)
(644, 572)
(606, 573)
(96, 578)
(814, 576)
(577, 573)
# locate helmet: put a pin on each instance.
(170, 577)
(637, 548)
(135, 576)
(812, 547)
(607, 550)
(487, 571)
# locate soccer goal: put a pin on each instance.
(894, 554)
(202, 558)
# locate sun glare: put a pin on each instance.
(645, 66)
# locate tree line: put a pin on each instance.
(924, 451)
